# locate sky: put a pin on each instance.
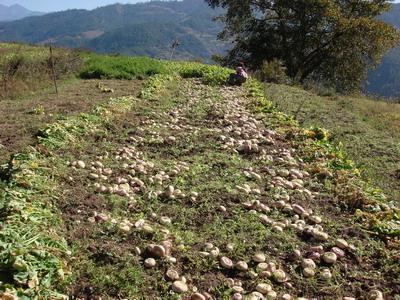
(56, 5)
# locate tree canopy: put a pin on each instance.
(334, 41)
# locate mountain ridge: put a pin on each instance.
(190, 21)
(16, 12)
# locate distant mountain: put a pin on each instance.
(385, 80)
(16, 12)
(137, 29)
(135, 39)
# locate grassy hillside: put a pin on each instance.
(369, 130)
(25, 68)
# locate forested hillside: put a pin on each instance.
(140, 29)
(385, 80)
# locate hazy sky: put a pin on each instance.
(56, 5)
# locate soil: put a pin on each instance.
(103, 249)
(23, 117)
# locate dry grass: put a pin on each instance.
(25, 68)
(23, 117)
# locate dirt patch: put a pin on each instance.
(92, 34)
(22, 118)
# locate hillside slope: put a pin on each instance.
(369, 130)
(167, 194)
(111, 28)
(135, 39)
(385, 79)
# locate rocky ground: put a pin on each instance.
(193, 195)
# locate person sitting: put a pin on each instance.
(239, 77)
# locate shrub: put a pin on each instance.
(318, 133)
(209, 74)
(320, 88)
(272, 71)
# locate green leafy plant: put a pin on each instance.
(120, 67)
(38, 110)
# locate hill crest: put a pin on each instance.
(16, 12)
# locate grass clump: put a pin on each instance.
(209, 74)
(120, 67)
(126, 67)
(154, 85)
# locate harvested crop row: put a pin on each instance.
(200, 192)
(33, 254)
(190, 195)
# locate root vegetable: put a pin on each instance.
(241, 266)
(150, 263)
(329, 257)
(226, 262)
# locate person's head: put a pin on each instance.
(241, 64)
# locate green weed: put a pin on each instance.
(120, 67)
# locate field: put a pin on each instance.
(369, 130)
(43, 107)
(179, 187)
(25, 68)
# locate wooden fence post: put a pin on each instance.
(174, 45)
(53, 69)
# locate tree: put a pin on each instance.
(175, 44)
(333, 41)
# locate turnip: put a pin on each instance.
(263, 288)
(179, 286)
(150, 263)
(329, 257)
